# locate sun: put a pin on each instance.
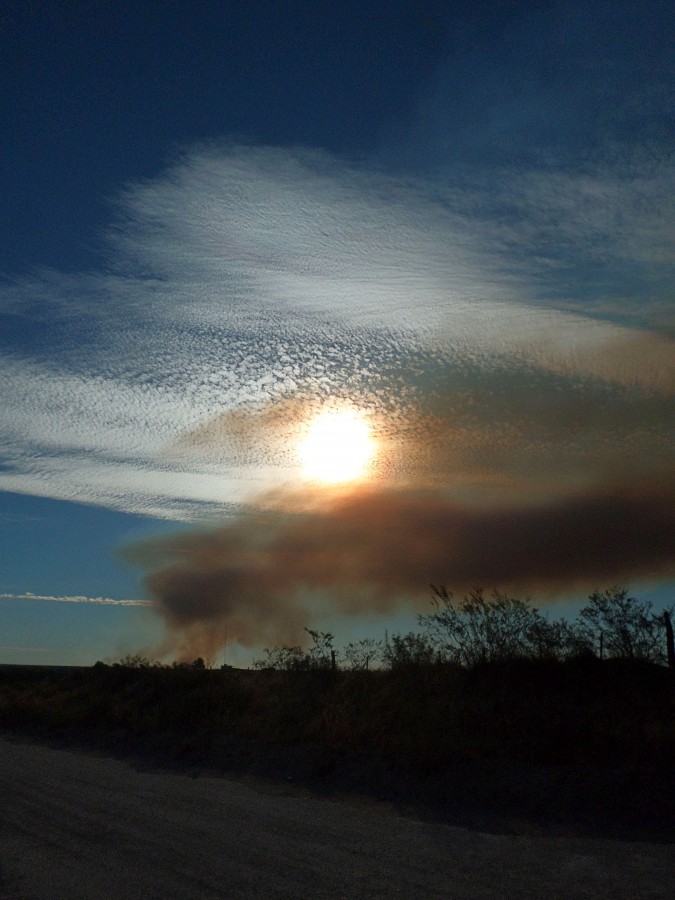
(338, 447)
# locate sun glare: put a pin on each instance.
(338, 447)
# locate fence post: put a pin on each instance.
(670, 642)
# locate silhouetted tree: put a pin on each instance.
(360, 654)
(478, 629)
(321, 654)
(670, 639)
(555, 640)
(627, 627)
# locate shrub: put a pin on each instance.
(282, 659)
(410, 650)
(294, 659)
(138, 661)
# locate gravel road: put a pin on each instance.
(74, 825)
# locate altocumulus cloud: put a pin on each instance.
(480, 325)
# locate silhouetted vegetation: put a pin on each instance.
(579, 710)
(477, 630)
(624, 627)
(484, 681)
(320, 655)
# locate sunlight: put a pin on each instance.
(338, 447)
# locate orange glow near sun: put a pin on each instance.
(338, 447)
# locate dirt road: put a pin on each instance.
(74, 826)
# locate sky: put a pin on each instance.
(305, 306)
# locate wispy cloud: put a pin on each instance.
(105, 601)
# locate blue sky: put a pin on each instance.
(222, 221)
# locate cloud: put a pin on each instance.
(105, 601)
(246, 280)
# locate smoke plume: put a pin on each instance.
(262, 578)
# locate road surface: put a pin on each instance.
(74, 825)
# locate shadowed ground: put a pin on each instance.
(80, 826)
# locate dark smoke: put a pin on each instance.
(261, 579)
